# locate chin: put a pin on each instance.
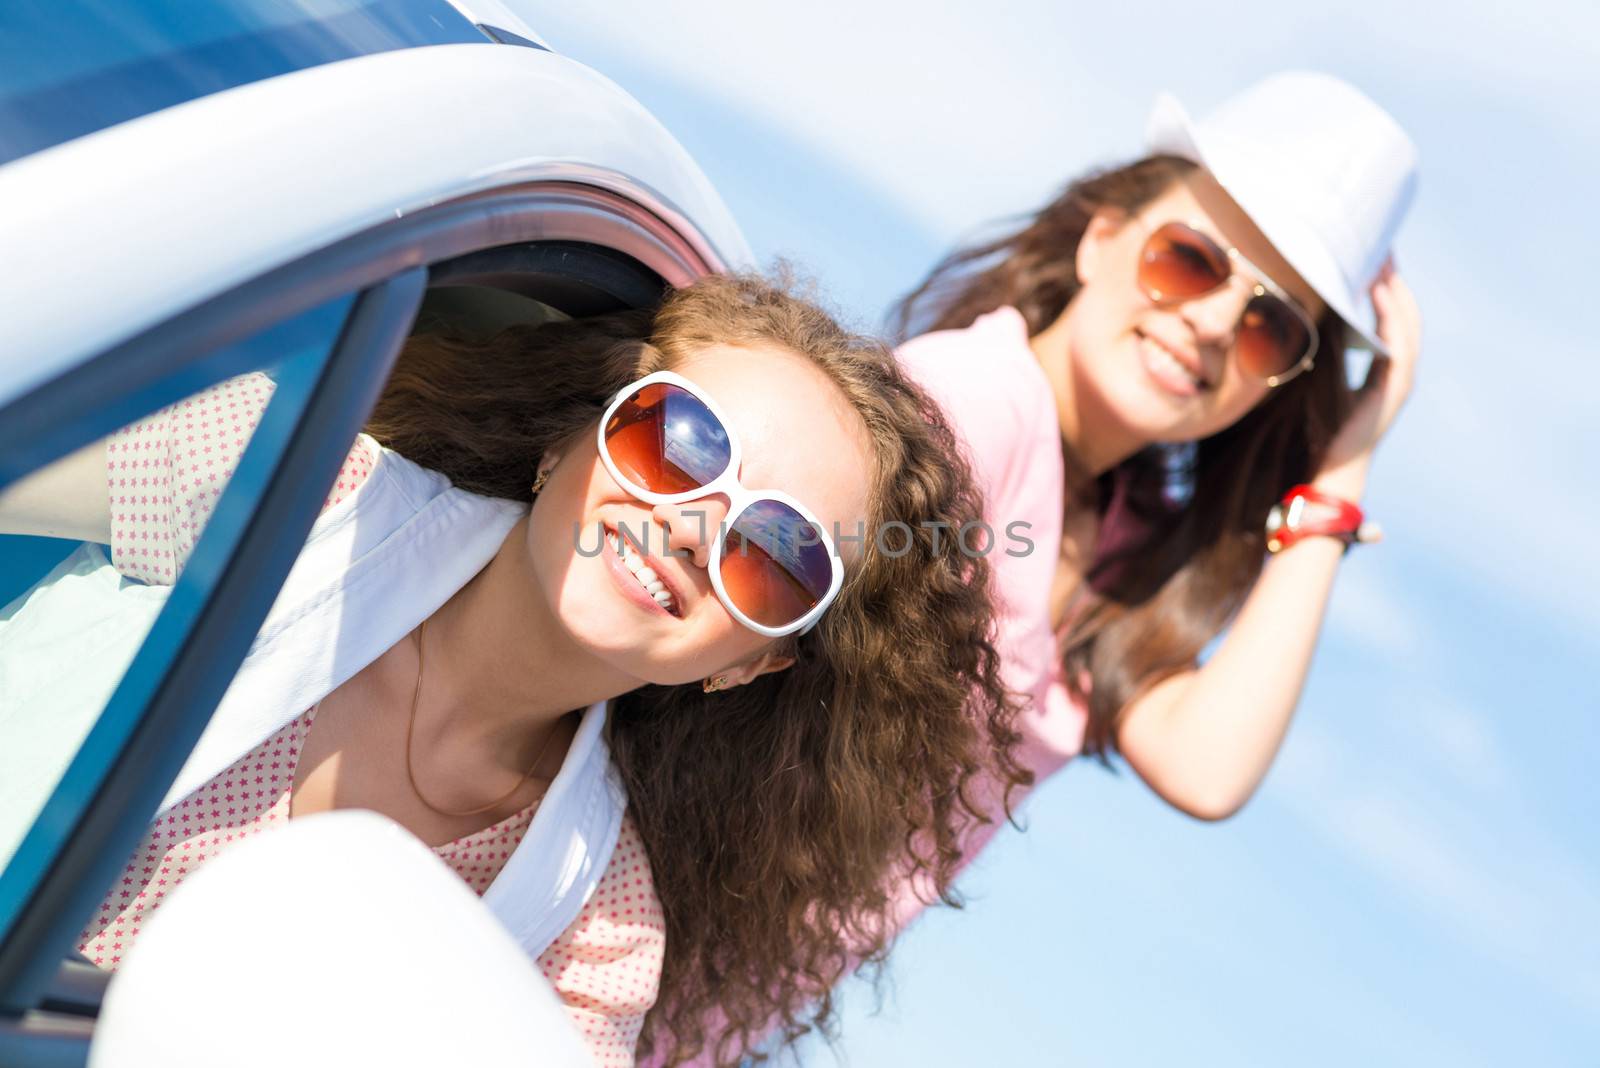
(1144, 410)
(614, 631)
(590, 611)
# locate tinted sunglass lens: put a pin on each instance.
(663, 439)
(1271, 338)
(1179, 263)
(774, 567)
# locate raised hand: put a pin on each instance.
(1381, 396)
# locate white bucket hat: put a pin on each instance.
(1325, 173)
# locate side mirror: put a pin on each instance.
(339, 939)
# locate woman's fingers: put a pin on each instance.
(1399, 319)
(1389, 378)
(1400, 327)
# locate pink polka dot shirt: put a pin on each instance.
(165, 475)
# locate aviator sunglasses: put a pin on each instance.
(1275, 338)
(772, 564)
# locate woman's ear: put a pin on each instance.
(740, 674)
(1104, 225)
(547, 463)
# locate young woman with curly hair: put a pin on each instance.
(669, 508)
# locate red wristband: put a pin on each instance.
(1306, 511)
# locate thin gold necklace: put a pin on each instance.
(412, 775)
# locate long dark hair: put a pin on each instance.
(778, 816)
(1181, 537)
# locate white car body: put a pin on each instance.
(125, 227)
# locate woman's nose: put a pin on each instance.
(1214, 316)
(692, 526)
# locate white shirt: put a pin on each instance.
(374, 566)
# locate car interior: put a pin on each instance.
(484, 292)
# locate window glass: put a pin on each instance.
(70, 67)
(77, 610)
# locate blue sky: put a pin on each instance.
(1419, 879)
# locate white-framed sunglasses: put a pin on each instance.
(772, 564)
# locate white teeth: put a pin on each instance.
(647, 577)
(1168, 361)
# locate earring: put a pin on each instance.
(539, 480)
(717, 683)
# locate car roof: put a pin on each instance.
(129, 225)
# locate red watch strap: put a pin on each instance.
(1333, 516)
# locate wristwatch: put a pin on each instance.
(1305, 512)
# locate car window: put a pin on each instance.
(78, 613)
(70, 67)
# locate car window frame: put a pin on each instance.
(38, 427)
(81, 838)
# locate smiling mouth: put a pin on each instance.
(1161, 359)
(644, 574)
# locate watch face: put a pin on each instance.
(1275, 524)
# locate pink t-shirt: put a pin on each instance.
(165, 475)
(997, 398)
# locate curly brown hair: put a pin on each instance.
(1165, 579)
(778, 817)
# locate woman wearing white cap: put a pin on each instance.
(1172, 334)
